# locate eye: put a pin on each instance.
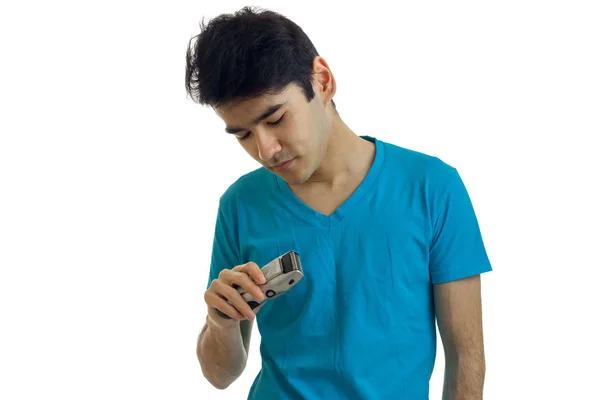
(243, 137)
(277, 122)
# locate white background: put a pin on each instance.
(110, 178)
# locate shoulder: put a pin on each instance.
(418, 166)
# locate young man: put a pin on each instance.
(387, 236)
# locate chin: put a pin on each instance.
(294, 176)
(292, 179)
(297, 179)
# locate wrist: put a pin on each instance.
(230, 327)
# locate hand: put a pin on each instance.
(223, 296)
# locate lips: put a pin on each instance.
(284, 165)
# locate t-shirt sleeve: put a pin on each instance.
(456, 250)
(225, 249)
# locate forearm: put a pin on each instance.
(221, 354)
(464, 377)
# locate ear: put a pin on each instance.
(324, 82)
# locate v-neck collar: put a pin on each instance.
(347, 206)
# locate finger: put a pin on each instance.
(245, 282)
(239, 277)
(227, 311)
(221, 306)
(237, 301)
(252, 269)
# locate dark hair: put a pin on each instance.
(248, 54)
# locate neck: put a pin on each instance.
(347, 156)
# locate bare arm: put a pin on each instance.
(459, 315)
(223, 352)
(223, 344)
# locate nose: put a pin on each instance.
(267, 145)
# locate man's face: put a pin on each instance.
(282, 128)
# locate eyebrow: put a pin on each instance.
(266, 114)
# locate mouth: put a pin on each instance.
(284, 165)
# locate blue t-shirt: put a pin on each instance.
(361, 323)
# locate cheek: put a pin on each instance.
(292, 134)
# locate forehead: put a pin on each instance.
(244, 111)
